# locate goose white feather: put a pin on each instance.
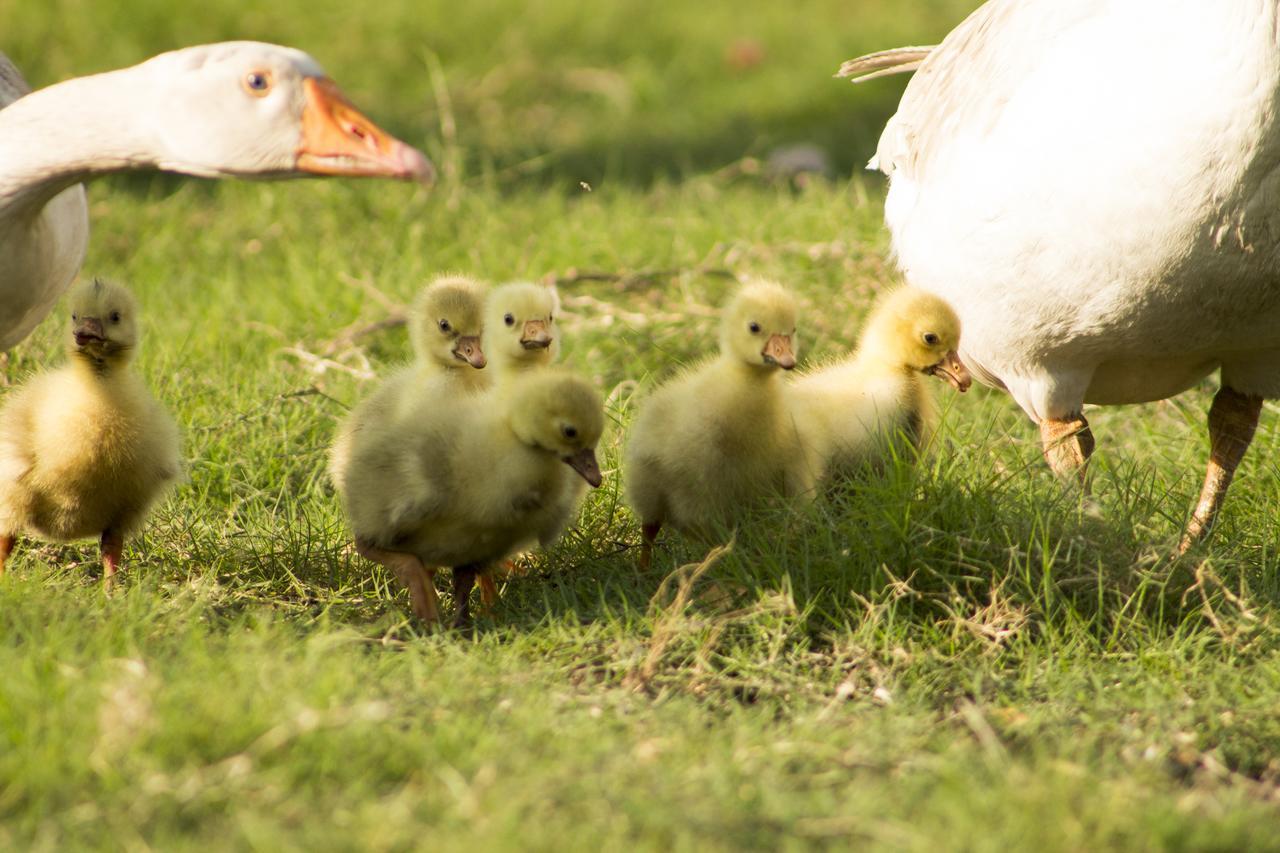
(1091, 185)
(1087, 183)
(235, 109)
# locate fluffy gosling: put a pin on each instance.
(469, 486)
(719, 436)
(520, 329)
(848, 412)
(445, 326)
(85, 450)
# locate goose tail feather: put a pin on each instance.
(883, 63)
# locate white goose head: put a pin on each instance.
(254, 109)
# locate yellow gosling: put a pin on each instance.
(520, 329)
(85, 450)
(848, 412)
(468, 486)
(719, 436)
(445, 327)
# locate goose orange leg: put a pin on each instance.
(414, 576)
(1067, 445)
(1233, 418)
(6, 548)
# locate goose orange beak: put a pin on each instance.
(777, 350)
(952, 369)
(338, 140)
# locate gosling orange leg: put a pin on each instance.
(488, 590)
(1067, 445)
(464, 578)
(1233, 418)
(6, 548)
(648, 535)
(413, 576)
(111, 545)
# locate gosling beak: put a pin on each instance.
(584, 462)
(535, 335)
(777, 350)
(88, 331)
(338, 140)
(468, 349)
(952, 369)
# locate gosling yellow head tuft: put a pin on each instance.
(562, 414)
(446, 322)
(918, 331)
(104, 323)
(759, 326)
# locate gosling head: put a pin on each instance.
(104, 323)
(560, 414)
(520, 325)
(759, 326)
(446, 321)
(918, 331)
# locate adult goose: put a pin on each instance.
(1092, 185)
(236, 109)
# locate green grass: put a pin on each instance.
(954, 654)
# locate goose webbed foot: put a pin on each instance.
(1233, 418)
(1067, 445)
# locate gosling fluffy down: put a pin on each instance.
(85, 450)
(719, 436)
(445, 327)
(849, 412)
(492, 475)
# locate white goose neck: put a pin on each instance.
(58, 136)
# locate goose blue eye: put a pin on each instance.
(257, 82)
(930, 338)
(509, 320)
(444, 326)
(755, 328)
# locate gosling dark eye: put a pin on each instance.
(755, 328)
(570, 432)
(509, 320)
(115, 316)
(930, 338)
(74, 318)
(445, 327)
(257, 82)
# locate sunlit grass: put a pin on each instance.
(953, 652)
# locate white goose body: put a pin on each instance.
(1094, 187)
(41, 245)
(235, 109)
